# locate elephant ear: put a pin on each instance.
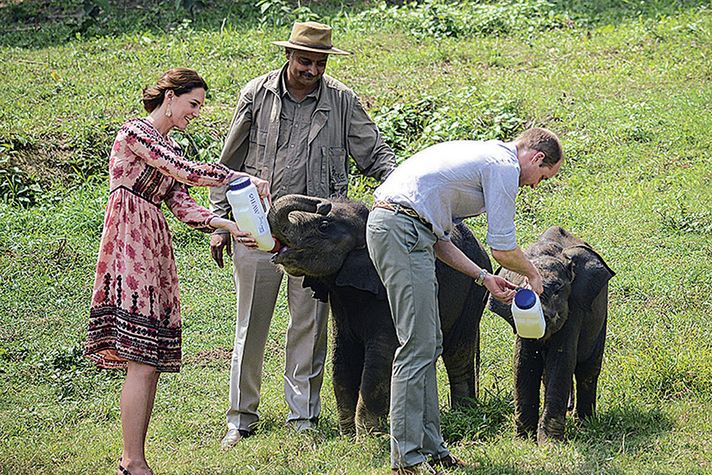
(591, 274)
(562, 237)
(358, 272)
(320, 289)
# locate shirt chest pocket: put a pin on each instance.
(258, 141)
(258, 137)
(335, 158)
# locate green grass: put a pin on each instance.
(626, 84)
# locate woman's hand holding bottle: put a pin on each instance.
(242, 237)
(262, 188)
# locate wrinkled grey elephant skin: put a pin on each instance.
(575, 304)
(325, 241)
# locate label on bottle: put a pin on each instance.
(259, 214)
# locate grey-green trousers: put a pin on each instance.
(401, 248)
(257, 281)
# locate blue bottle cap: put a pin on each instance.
(240, 183)
(525, 299)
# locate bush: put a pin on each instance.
(281, 12)
(441, 19)
(16, 186)
(409, 127)
(402, 124)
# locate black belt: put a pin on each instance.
(397, 208)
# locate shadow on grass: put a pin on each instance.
(620, 430)
(326, 429)
(628, 429)
(39, 24)
(483, 419)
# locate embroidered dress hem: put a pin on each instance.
(117, 337)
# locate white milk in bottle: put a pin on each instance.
(248, 212)
(528, 315)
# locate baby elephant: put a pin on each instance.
(575, 304)
(325, 241)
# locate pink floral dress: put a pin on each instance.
(135, 308)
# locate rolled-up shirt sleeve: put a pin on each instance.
(500, 186)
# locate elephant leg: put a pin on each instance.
(460, 366)
(528, 367)
(348, 366)
(461, 341)
(374, 397)
(559, 362)
(587, 373)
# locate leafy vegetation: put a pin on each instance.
(440, 19)
(463, 115)
(626, 85)
(16, 186)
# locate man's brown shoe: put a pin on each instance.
(449, 461)
(234, 436)
(420, 469)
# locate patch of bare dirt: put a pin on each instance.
(213, 356)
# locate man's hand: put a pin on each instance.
(218, 242)
(500, 288)
(516, 261)
(536, 282)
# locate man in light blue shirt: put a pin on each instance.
(414, 212)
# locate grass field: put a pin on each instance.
(627, 85)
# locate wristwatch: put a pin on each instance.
(480, 280)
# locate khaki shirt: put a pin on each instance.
(340, 128)
(288, 176)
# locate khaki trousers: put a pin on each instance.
(401, 248)
(257, 282)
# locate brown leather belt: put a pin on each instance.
(397, 208)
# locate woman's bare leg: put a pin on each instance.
(137, 398)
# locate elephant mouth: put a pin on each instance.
(280, 254)
(288, 258)
(283, 259)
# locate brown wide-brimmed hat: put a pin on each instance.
(311, 36)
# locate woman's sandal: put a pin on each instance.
(123, 469)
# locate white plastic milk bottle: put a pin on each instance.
(528, 316)
(248, 212)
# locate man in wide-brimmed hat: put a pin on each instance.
(295, 127)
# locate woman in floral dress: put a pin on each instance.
(135, 319)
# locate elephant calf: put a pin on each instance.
(575, 304)
(325, 241)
